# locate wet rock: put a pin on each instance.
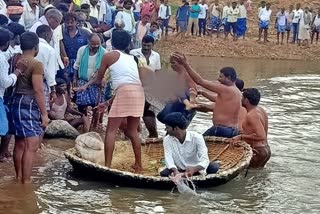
(90, 147)
(61, 129)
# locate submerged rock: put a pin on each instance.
(90, 147)
(61, 129)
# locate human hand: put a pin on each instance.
(179, 58)
(80, 89)
(75, 83)
(66, 61)
(53, 97)
(235, 140)
(44, 121)
(190, 171)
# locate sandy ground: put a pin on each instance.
(250, 48)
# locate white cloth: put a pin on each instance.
(192, 152)
(203, 12)
(124, 71)
(154, 59)
(297, 15)
(91, 62)
(127, 19)
(232, 14)
(281, 18)
(6, 80)
(224, 11)
(265, 14)
(94, 11)
(102, 11)
(242, 11)
(304, 28)
(29, 17)
(3, 8)
(55, 41)
(316, 22)
(47, 56)
(12, 51)
(163, 11)
(216, 10)
(137, 5)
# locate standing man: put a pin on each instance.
(264, 21)
(255, 128)
(182, 19)
(6, 81)
(127, 16)
(73, 39)
(232, 18)
(194, 18)
(281, 21)
(137, 9)
(242, 20)
(165, 14)
(297, 14)
(31, 13)
(214, 16)
(203, 17)
(228, 100)
(47, 56)
(153, 62)
(289, 15)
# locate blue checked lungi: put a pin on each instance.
(88, 97)
(242, 26)
(288, 26)
(224, 21)
(70, 70)
(25, 116)
(281, 28)
(4, 127)
(215, 22)
(264, 24)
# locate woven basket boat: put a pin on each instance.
(233, 160)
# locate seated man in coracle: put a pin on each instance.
(185, 151)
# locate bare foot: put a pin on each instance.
(191, 106)
(137, 169)
(193, 95)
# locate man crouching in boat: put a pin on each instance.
(184, 151)
(255, 128)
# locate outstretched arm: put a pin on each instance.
(211, 86)
(107, 60)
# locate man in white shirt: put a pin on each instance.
(47, 56)
(202, 17)
(297, 13)
(164, 14)
(184, 151)
(31, 13)
(242, 20)
(14, 47)
(150, 59)
(3, 7)
(127, 16)
(137, 9)
(264, 21)
(232, 18)
(214, 15)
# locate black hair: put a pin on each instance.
(239, 84)
(154, 23)
(28, 41)
(127, 1)
(62, 7)
(176, 119)
(4, 36)
(263, 2)
(16, 28)
(43, 29)
(85, 6)
(69, 16)
(120, 39)
(148, 39)
(253, 95)
(46, 10)
(3, 20)
(229, 72)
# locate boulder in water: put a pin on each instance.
(61, 129)
(90, 147)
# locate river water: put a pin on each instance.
(289, 183)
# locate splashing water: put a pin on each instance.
(182, 181)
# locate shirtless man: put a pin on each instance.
(227, 103)
(255, 128)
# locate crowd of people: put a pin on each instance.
(58, 61)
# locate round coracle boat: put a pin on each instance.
(233, 160)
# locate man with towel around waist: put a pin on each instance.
(227, 99)
(128, 103)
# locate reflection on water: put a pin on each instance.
(289, 183)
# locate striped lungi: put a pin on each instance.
(25, 116)
(128, 102)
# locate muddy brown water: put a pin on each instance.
(289, 184)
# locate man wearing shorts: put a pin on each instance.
(182, 18)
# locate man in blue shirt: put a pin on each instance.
(73, 39)
(193, 19)
(182, 18)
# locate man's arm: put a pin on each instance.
(168, 155)
(107, 60)
(204, 107)
(210, 96)
(211, 86)
(259, 133)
